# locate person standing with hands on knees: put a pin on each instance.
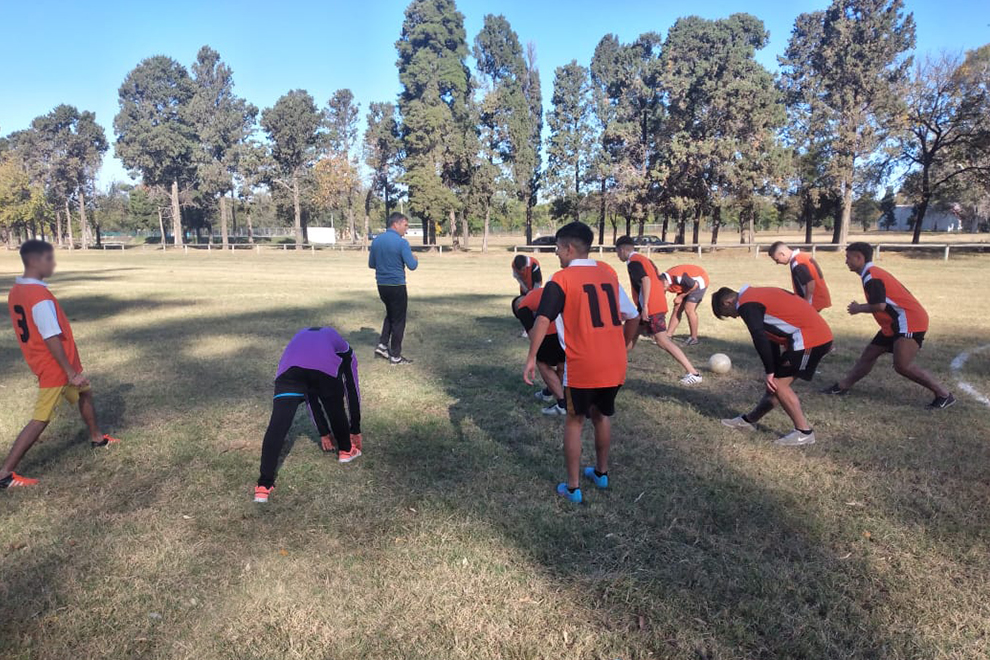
(389, 256)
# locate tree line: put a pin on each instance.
(684, 130)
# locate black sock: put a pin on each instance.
(746, 419)
(571, 490)
(600, 474)
(561, 403)
(546, 391)
(806, 431)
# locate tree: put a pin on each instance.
(155, 135)
(846, 65)
(342, 132)
(335, 183)
(434, 106)
(510, 116)
(569, 143)
(382, 155)
(223, 123)
(947, 134)
(22, 204)
(293, 126)
(606, 85)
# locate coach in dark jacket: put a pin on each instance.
(390, 255)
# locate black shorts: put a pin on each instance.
(695, 296)
(888, 342)
(297, 381)
(581, 400)
(799, 364)
(550, 351)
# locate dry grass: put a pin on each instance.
(444, 540)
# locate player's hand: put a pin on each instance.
(771, 384)
(78, 380)
(853, 308)
(645, 315)
(529, 371)
(327, 443)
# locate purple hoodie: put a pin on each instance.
(319, 349)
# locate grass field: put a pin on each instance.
(444, 540)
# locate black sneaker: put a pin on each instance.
(940, 402)
(835, 390)
(381, 351)
(400, 360)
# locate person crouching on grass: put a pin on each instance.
(791, 338)
(549, 357)
(45, 337)
(319, 368)
(589, 306)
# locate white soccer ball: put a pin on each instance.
(720, 363)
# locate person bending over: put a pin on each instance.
(650, 295)
(550, 356)
(526, 271)
(45, 338)
(589, 306)
(688, 283)
(903, 323)
(791, 338)
(319, 368)
(807, 278)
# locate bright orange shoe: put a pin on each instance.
(14, 480)
(261, 493)
(348, 456)
(356, 441)
(107, 440)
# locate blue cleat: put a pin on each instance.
(567, 494)
(600, 482)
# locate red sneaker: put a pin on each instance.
(107, 440)
(14, 480)
(348, 456)
(261, 493)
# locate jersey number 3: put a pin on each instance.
(22, 324)
(595, 307)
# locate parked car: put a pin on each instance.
(653, 242)
(544, 241)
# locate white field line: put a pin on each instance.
(956, 366)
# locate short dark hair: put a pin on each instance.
(719, 298)
(863, 248)
(776, 245)
(578, 235)
(32, 247)
(519, 261)
(394, 218)
(624, 240)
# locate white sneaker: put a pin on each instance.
(524, 335)
(795, 439)
(554, 410)
(382, 351)
(545, 398)
(690, 379)
(738, 423)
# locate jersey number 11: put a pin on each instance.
(595, 307)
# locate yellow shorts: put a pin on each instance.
(49, 398)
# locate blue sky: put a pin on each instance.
(79, 52)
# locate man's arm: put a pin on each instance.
(752, 314)
(646, 285)
(876, 299)
(371, 255)
(537, 275)
(408, 257)
(551, 305)
(54, 345)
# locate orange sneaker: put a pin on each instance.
(356, 441)
(14, 480)
(348, 456)
(107, 440)
(328, 443)
(261, 493)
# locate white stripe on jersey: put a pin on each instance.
(797, 338)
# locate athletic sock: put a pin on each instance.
(571, 490)
(746, 419)
(806, 431)
(561, 403)
(601, 474)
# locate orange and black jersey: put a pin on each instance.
(640, 267)
(779, 316)
(683, 278)
(903, 314)
(526, 306)
(37, 316)
(589, 307)
(805, 269)
(529, 276)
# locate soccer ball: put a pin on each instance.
(720, 363)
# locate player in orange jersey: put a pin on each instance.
(550, 356)
(527, 272)
(807, 278)
(45, 337)
(689, 284)
(589, 307)
(650, 295)
(903, 323)
(791, 338)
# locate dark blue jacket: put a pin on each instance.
(390, 255)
